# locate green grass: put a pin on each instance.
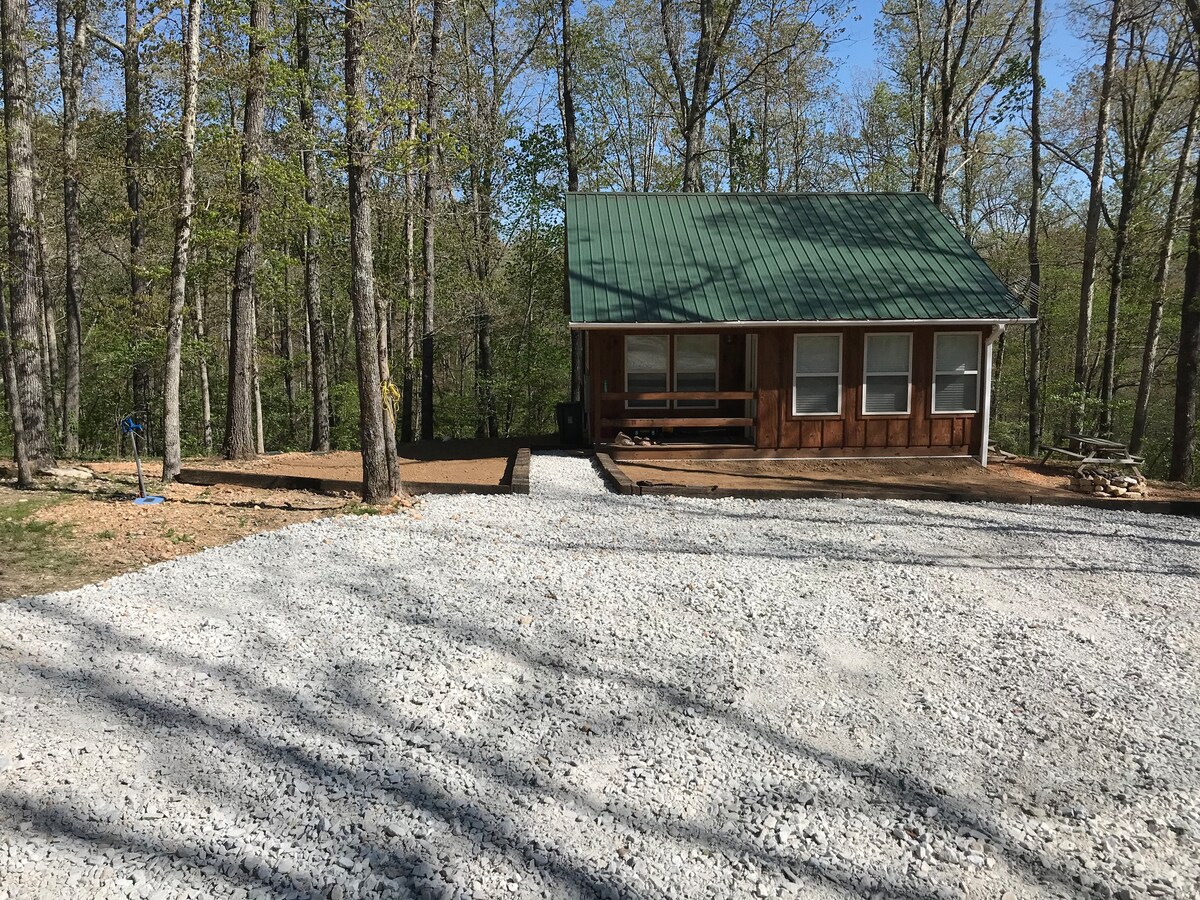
(33, 551)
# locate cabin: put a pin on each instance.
(781, 325)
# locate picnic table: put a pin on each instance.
(1095, 451)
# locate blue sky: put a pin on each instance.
(1063, 54)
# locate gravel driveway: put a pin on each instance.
(576, 694)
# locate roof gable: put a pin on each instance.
(697, 258)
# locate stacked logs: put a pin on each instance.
(1109, 483)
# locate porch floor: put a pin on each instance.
(933, 478)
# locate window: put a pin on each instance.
(956, 372)
(817, 365)
(887, 360)
(646, 368)
(696, 367)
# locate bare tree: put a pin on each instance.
(29, 398)
(312, 237)
(1091, 234)
(381, 478)
(429, 210)
(183, 236)
(240, 440)
(1162, 273)
(1035, 208)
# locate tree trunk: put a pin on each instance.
(407, 410)
(139, 283)
(429, 209)
(49, 314)
(572, 152)
(1141, 409)
(205, 394)
(239, 429)
(312, 240)
(72, 57)
(172, 451)
(380, 475)
(29, 398)
(12, 398)
(1091, 235)
(1035, 208)
(1183, 443)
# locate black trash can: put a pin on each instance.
(570, 423)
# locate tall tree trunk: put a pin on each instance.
(1035, 209)
(380, 474)
(239, 429)
(429, 208)
(1187, 371)
(1141, 408)
(172, 453)
(205, 393)
(407, 407)
(139, 283)
(312, 239)
(72, 57)
(572, 152)
(13, 399)
(49, 313)
(24, 307)
(1091, 235)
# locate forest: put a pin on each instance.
(264, 225)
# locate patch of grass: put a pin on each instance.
(176, 537)
(106, 535)
(34, 551)
(361, 509)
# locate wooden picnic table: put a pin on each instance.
(1095, 451)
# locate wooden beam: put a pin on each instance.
(678, 422)
(682, 395)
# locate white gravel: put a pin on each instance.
(578, 694)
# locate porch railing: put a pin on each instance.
(671, 418)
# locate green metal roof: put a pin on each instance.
(695, 258)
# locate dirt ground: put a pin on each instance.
(1023, 477)
(74, 533)
(482, 463)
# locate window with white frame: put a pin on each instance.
(887, 374)
(646, 359)
(956, 372)
(817, 371)
(696, 359)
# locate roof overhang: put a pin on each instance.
(805, 323)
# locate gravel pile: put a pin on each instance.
(575, 694)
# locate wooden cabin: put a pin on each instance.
(781, 325)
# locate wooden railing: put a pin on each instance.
(648, 418)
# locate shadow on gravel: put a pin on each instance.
(370, 765)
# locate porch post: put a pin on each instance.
(996, 331)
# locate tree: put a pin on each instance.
(240, 440)
(312, 236)
(29, 399)
(1091, 235)
(183, 237)
(381, 477)
(71, 32)
(1035, 210)
(429, 211)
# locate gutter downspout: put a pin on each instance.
(996, 331)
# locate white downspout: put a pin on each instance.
(996, 331)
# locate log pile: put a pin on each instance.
(1109, 483)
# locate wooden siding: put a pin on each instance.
(850, 433)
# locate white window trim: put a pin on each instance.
(666, 404)
(795, 375)
(933, 410)
(908, 395)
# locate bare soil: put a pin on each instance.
(73, 533)
(863, 477)
(466, 463)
